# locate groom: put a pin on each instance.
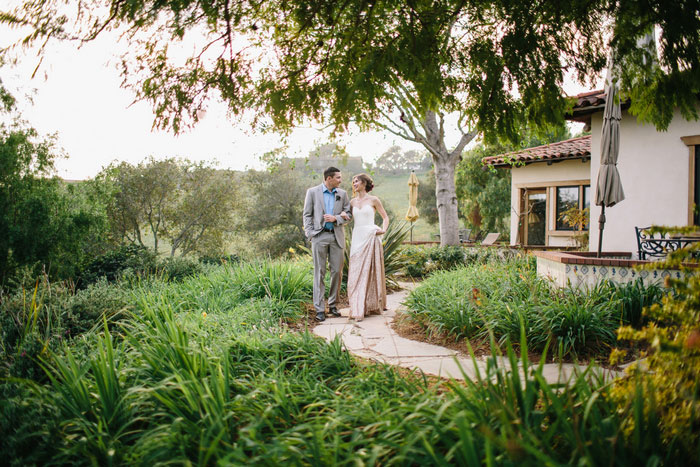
(323, 226)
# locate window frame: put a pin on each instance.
(550, 188)
(557, 213)
(693, 142)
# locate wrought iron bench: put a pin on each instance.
(649, 246)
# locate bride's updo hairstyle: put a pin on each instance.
(369, 184)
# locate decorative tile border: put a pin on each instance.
(584, 269)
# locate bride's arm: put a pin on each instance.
(347, 215)
(380, 209)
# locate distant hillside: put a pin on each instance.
(392, 190)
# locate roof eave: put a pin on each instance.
(503, 164)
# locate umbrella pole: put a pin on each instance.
(601, 226)
(411, 231)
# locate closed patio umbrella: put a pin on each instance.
(412, 214)
(609, 187)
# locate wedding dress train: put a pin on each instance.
(366, 280)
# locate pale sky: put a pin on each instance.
(77, 95)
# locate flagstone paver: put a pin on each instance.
(395, 346)
(373, 338)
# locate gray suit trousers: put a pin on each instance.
(325, 248)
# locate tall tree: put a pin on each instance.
(202, 217)
(189, 204)
(401, 65)
(144, 195)
(483, 192)
(396, 160)
(44, 225)
(273, 206)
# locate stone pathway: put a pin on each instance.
(373, 338)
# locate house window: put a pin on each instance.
(571, 197)
(693, 143)
(540, 202)
(587, 203)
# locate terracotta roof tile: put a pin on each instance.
(575, 148)
(589, 99)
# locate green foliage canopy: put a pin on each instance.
(45, 225)
(483, 192)
(345, 56)
(188, 203)
(273, 205)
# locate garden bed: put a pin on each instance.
(504, 298)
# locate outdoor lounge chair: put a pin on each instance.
(490, 239)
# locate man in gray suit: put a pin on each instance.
(324, 227)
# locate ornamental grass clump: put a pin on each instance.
(496, 297)
(234, 385)
(292, 282)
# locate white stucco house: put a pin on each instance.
(660, 174)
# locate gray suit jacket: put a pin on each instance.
(314, 210)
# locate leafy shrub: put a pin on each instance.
(421, 261)
(179, 268)
(665, 388)
(134, 258)
(28, 424)
(219, 260)
(576, 321)
(30, 325)
(415, 259)
(86, 309)
(448, 257)
(35, 322)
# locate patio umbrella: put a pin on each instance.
(609, 190)
(412, 214)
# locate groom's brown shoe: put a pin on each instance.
(334, 312)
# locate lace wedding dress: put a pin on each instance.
(366, 281)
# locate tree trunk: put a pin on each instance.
(446, 194)
(445, 162)
(475, 217)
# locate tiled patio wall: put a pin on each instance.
(584, 269)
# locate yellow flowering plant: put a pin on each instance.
(665, 384)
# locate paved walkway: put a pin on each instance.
(373, 338)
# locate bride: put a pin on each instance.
(366, 281)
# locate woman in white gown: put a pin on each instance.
(366, 280)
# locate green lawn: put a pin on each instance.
(393, 191)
